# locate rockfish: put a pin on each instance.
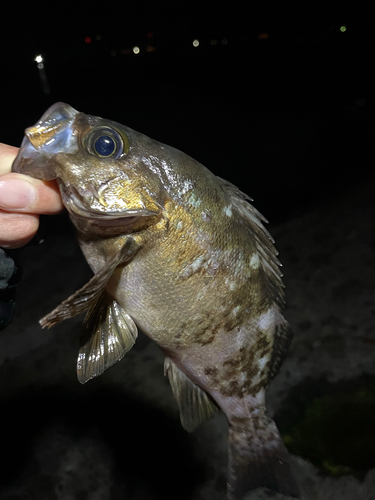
(183, 255)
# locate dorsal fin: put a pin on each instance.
(262, 238)
(282, 340)
(270, 265)
(194, 404)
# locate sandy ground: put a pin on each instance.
(119, 437)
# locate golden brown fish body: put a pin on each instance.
(181, 254)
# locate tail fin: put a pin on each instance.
(257, 457)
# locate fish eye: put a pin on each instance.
(105, 145)
(105, 142)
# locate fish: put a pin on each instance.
(182, 255)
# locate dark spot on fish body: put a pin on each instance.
(232, 389)
(207, 340)
(245, 362)
(207, 328)
(232, 322)
(231, 362)
(254, 389)
(241, 360)
(262, 343)
(262, 347)
(211, 370)
(213, 376)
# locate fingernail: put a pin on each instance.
(16, 194)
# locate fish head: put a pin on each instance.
(97, 164)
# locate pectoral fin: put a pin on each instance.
(108, 334)
(194, 404)
(86, 297)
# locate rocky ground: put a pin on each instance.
(119, 437)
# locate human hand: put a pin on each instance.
(22, 199)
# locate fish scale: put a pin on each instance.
(181, 254)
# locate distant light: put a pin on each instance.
(150, 34)
(98, 37)
(213, 42)
(150, 48)
(42, 74)
(342, 29)
(224, 41)
(88, 39)
(195, 43)
(113, 52)
(136, 50)
(263, 36)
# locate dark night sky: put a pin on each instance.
(292, 110)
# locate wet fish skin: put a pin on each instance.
(183, 255)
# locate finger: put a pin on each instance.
(7, 156)
(22, 193)
(17, 229)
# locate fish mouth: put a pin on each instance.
(113, 217)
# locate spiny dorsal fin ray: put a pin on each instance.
(270, 265)
(194, 404)
(282, 340)
(86, 297)
(263, 239)
(108, 333)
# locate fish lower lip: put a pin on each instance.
(76, 207)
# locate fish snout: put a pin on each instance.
(31, 162)
(51, 135)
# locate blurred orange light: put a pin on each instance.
(263, 36)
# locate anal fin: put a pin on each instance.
(108, 333)
(194, 404)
